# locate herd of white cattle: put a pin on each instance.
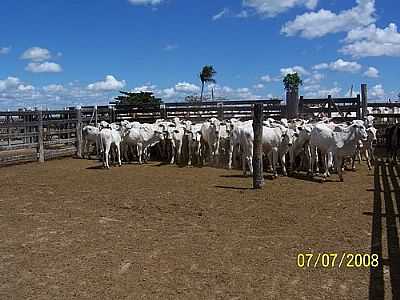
(309, 142)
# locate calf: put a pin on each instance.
(109, 135)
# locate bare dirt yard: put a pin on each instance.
(70, 230)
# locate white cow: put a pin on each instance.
(366, 148)
(194, 142)
(210, 140)
(124, 145)
(277, 140)
(90, 135)
(143, 136)
(301, 145)
(110, 134)
(340, 143)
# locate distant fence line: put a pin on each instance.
(42, 135)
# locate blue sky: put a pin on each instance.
(57, 52)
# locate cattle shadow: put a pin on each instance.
(99, 167)
(306, 177)
(232, 188)
(389, 198)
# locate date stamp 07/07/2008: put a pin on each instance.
(334, 260)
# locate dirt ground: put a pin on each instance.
(71, 230)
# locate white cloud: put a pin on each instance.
(258, 86)
(25, 88)
(5, 50)
(243, 14)
(145, 2)
(296, 69)
(168, 93)
(145, 88)
(345, 66)
(372, 72)
(321, 66)
(186, 87)
(266, 78)
(9, 83)
(53, 88)
(314, 78)
(36, 54)
(340, 65)
(318, 92)
(44, 67)
(378, 92)
(219, 15)
(271, 8)
(170, 47)
(317, 24)
(110, 83)
(373, 41)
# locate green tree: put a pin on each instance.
(206, 76)
(141, 98)
(292, 82)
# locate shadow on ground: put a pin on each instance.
(389, 198)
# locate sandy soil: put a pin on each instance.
(71, 230)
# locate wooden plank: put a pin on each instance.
(18, 146)
(61, 141)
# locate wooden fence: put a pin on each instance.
(43, 135)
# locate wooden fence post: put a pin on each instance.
(359, 108)
(79, 141)
(220, 107)
(258, 178)
(40, 137)
(301, 104)
(163, 111)
(112, 114)
(364, 100)
(292, 104)
(329, 106)
(95, 116)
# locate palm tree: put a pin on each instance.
(206, 76)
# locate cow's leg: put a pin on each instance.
(274, 162)
(140, 152)
(106, 153)
(316, 161)
(353, 163)
(173, 147)
(326, 164)
(250, 158)
(339, 167)
(84, 148)
(368, 159)
(283, 162)
(312, 161)
(244, 164)
(119, 153)
(230, 155)
(179, 153)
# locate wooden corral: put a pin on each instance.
(42, 135)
